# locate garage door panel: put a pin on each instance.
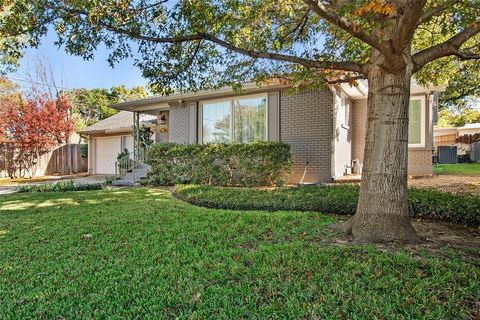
(129, 143)
(107, 150)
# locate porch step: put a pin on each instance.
(135, 175)
(144, 166)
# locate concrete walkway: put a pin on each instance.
(7, 189)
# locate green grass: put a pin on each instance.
(140, 253)
(466, 169)
(332, 199)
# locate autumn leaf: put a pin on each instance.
(377, 6)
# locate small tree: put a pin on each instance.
(33, 126)
(145, 137)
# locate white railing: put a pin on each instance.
(129, 162)
(124, 164)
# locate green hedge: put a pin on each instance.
(61, 186)
(84, 151)
(337, 199)
(252, 164)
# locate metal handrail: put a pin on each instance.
(130, 162)
(124, 164)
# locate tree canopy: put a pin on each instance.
(202, 44)
(447, 118)
(463, 90)
(92, 105)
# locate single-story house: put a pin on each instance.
(325, 127)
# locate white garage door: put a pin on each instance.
(106, 152)
(128, 141)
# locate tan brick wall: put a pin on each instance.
(419, 159)
(306, 123)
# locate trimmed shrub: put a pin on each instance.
(84, 151)
(253, 164)
(331, 199)
(61, 186)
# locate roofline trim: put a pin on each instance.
(248, 87)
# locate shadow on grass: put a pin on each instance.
(36, 203)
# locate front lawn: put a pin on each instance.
(465, 169)
(140, 253)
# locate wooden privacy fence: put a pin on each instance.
(64, 159)
(446, 140)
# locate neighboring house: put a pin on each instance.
(448, 136)
(325, 127)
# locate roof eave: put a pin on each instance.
(149, 103)
(105, 131)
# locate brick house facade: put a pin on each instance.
(325, 127)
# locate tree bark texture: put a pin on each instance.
(382, 211)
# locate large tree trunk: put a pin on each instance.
(382, 211)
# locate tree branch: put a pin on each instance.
(407, 24)
(448, 48)
(337, 65)
(432, 12)
(465, 55)
(300, 25)
(328, 13)
(309, 63)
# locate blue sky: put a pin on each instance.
(74, 72)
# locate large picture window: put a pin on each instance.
(240, 119)
(216, 122)
(249, 119)
(416, 116)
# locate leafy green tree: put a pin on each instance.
(447, 118)
(122, 93)
(463, 90)
(145, 137)
(90, 106)
(204, 44)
